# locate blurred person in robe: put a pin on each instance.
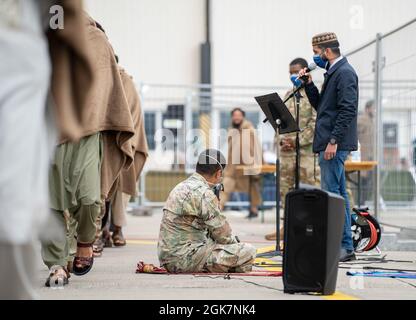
(244, 149)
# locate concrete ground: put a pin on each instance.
(113, 275)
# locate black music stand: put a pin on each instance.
(282, 122)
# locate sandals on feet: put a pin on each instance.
(82, 265)
(118, 238)
(98, 247)
(57, 279)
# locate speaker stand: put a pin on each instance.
(277, 251)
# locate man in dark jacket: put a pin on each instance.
(336, 123)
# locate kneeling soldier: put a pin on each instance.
(194, 235)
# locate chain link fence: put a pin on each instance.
(181, 121)
(386, 67)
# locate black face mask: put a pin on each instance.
(235, 125)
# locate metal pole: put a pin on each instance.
(205, 76)
(297, 165)
(215, 127)
(187, 131)
(278, 199)
(378, 66)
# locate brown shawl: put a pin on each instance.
(81, 53)
(72, 74)
(107, 110)
(128, 178)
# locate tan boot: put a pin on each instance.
(272, 236)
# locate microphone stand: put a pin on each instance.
(296, 97)
(294, 92)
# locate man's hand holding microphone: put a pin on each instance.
(305, 75)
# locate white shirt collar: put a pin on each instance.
(335, 61)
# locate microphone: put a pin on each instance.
(311, 66)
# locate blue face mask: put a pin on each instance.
(296, 82)
(320, 62)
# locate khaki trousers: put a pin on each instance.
(79, 227)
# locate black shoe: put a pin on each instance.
(347, 255)
(252, 215)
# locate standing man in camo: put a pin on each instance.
(309, 172)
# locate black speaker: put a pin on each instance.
(314, 221)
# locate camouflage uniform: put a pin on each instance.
(195, 236)
(309, 172)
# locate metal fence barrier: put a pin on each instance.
(386, 68)
(172, 111)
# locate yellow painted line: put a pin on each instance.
(147, 242)
(340, 296)
(267, 261)
(336, 296)
(266, 249)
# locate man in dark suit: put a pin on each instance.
(336, 123)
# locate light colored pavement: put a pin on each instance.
(113, 275)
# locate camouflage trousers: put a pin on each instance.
(309, 173)
(237, 257)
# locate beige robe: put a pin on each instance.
(127, 182)
(366, 136)
(244, 149)
(129, 177)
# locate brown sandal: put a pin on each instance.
(118, 238)
(56, 279)
(98, 247)
(82, 265)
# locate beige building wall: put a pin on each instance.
(156, 40)
(252, 40)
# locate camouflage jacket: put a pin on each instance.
(307, 119)
(191, 226)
